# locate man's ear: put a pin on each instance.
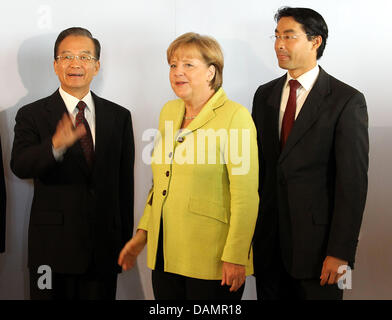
(97, 67)
(55, 66)
(317, 41)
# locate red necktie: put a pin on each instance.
(87, 140)
(289, 113)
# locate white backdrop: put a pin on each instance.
(134, 36)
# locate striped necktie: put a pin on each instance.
(87, 140)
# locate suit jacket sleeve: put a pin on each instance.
(255, 117)
(127, 180)
(3, 198)
(31, 156)
(351, 156)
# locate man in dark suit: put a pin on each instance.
(313, 151)
(79, 150)
(3, 201)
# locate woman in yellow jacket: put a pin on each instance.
(201, 212)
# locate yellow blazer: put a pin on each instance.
(207, 192)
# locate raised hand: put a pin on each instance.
(66, 134)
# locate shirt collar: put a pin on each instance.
(71, 101)
(306, 80)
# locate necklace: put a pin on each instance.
(189, 118)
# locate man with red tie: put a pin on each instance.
(313, 153)
(79, 150)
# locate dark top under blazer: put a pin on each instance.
(313, 192)
(79, 215)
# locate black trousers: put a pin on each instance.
(275, 283)
(170, 286)
(88, 286)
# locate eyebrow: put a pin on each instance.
(286, 31)
(84, 51)
(184, 60)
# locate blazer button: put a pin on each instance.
(167, 173)
(181, 139)
(170, 154)
(164, 192)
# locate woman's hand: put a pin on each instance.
(131, 250)
(233, 275)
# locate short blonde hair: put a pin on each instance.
(209, 50)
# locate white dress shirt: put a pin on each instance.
(89, 113)
(307, 80)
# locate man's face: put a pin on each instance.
(297, 55)
(76, 75)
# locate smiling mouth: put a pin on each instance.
(282, 56)
(75, 75)
(180, 82)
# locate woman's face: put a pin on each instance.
(189, 75)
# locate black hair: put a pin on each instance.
(77, 31)
(312, 22)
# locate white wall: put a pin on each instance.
(134, 36)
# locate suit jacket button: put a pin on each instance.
(167, 173)
(181, 139)
(170, 154)
(164, 192)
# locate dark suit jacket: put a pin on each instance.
(313, 192)
(79, 215)
(3, 199)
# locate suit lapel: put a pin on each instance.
(274, 109)
(309, 112)
(55, 108)
(208, 113)
(178, 116)
(104, 124)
